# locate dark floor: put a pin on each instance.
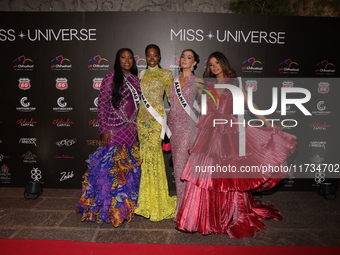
(309, 220)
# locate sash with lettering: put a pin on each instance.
(183, 102)
(133, 92)
(162, 121)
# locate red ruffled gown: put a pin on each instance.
(222, 203)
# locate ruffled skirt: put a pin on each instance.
(221, 202)
(111, 185)
(232, 213)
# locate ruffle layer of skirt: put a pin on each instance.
(232, 213)
(111, 185)
(215, 164)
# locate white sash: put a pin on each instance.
(155, 114)
(133, 92)
(183, 102)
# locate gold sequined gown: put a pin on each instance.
(154, 201)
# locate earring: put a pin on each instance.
(192, 68)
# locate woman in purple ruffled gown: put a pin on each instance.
(111, 183)
(217, 196)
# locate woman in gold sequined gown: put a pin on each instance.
(154, 201)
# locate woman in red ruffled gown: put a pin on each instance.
(217, 196)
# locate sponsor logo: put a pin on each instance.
(289, 66)
(66, 142)
(319, 126)
(251, 84)
(287, 84)
(61, 63)
(172, 63)
(5, 175)
(94, 123)
(251, 65)
(288, 111)
(36, 174)
(2, 157)
(98, 63)
(62, 123)
(26, 123)
(321, 109)
(97, 82)
(23, 63)
(289, 125)
(66, 175)
(316, 159)
(325, 68)
(93, 142)
(95, 103)
(62, 106)
(321, 106)
(318, 144)
(140, 62)
(30, 141)
(29, 157)
(24, 83)
(63, 157)
(323, 87)
(25, 105)
(61, 83)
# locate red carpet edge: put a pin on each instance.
(54, 247)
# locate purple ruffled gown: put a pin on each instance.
(111, 183)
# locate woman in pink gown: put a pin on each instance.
(182, 123)
(222, 203)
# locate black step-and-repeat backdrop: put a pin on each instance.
(52, 65)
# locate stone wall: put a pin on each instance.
(212, 6)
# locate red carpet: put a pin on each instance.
(54, 247)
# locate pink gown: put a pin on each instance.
(222, 203)
(183, 130)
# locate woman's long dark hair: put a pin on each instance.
(118, 79)
(224, 63)
(153, 46)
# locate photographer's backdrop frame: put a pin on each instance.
(52, 64)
